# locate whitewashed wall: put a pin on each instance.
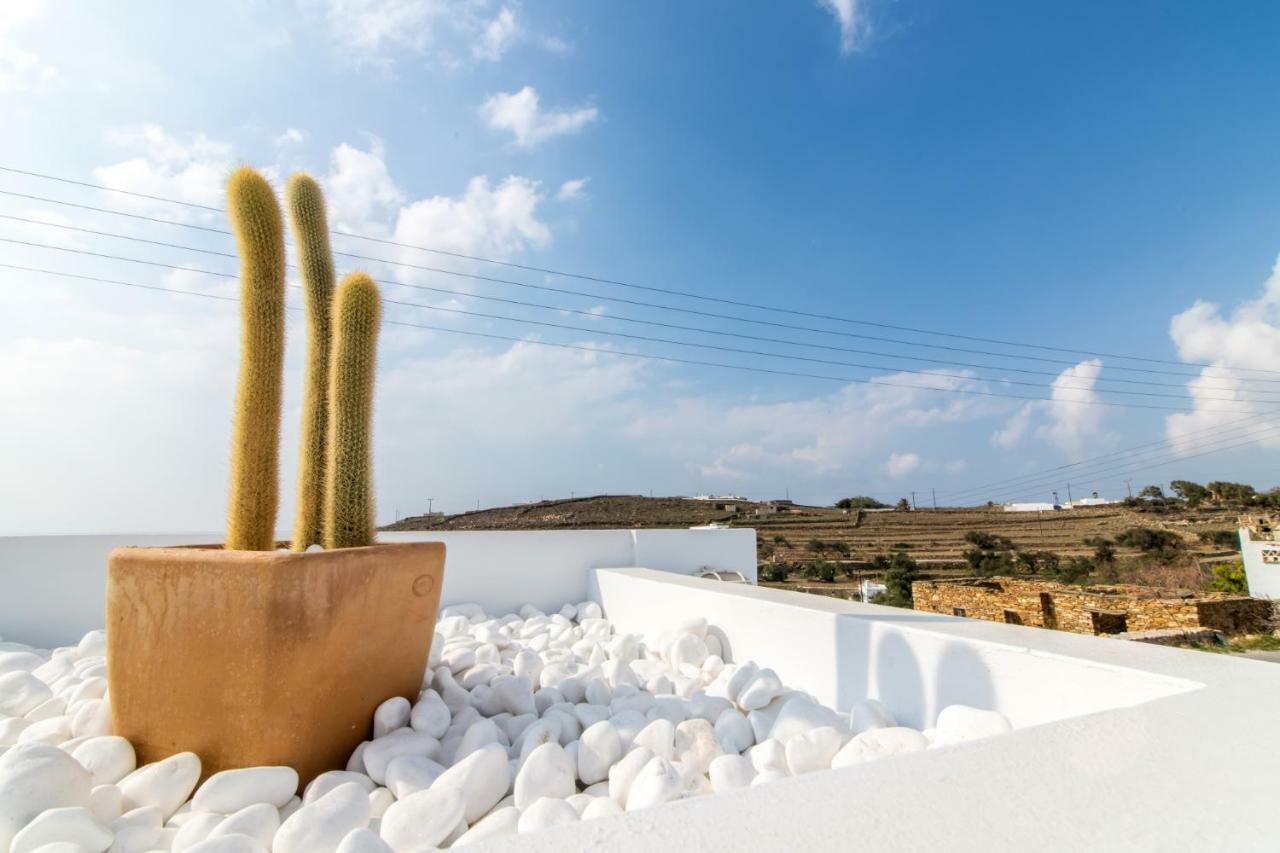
(1263, 577)
(52, 588)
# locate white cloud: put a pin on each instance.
(522, 114)
(572, 190)
(492, 220)
(375, 25)
(850, 17)
(359, 193)
(291, 136)
(191, 168)
(496, 37)
(902, 464)
(21, 69)
(1234, 347)
(1069, 419)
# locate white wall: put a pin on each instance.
(52, 588)
(917, 663)
(1263, 577)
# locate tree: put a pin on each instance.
(779, 539)
(902, 504)
(1075, 570)
(1149, 540)
(991, 554)
(1229, 577)
(1193, 493)
(824, 571)
(840, 548)
(1033, 562)
(777, 573)
(1154, 492)
(1104, 550)
(859, 502)
(1231, 493)
(899, 572)
(815, 546)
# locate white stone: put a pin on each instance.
(800, 714)
(547, 772)
(422, 820)
(497, 824)
(601, 807)
(707, 707)
(878, 743)
(728, 772)
(106, 802)
(733, 731)
(74, 824)
(483, 778)
(430, 715)
(195, 830)
(55, 707)
(380, 799)
(813, 750)
(469, 611)
(658, 782)
(588, 715)
(53, 731)
(19, 662)
(92, 644)
(330, 779)
(108, 759)
(228, 844)
(92, 718)
(768, 755)
(20, 691)
(599, 749)
(363, 841)
(660, 738)
(766, 777)
(761, 691)
(232, 790)
(259, 821)
(408, 774)
(544, 814)
(390, 715)
(543, 731)
(669, 708)
(742, 675)
(762, 719)
(688, 650)
(319, 827)
(958, 723)
(138, 839)
(624, 772)
(145, 816)
(11, 728)
(696, 746)
(870, 714)
(355, 763)
(378, 754)
(34, 778)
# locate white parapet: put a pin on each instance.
(1261, 564)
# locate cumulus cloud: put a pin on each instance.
(521, 114)
(850, 18)
(187, 167)
(21, 69)
(496, 36)
(291, 136)
(359, 193)
(572, 190)
(902, 464)
(1234, 347)
(1068, 420)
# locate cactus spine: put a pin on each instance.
(348, 506)
(259, 230)
(315, 260)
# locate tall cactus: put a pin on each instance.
(259, 229)
(315, 259)
(348, 507)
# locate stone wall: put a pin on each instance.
(1090, 610)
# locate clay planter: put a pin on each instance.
(265, 657)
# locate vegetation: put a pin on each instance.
(899, 572)
(777, 572)
(1221, 538)
(1152, 492)
(991, 554)
(860, 502)
(1229, 577)
(902, 504)
(315, 261)
(255, 437)
(1150, 540)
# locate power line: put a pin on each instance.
(584, 348)
(650, 288)
(1014, 482)
(464, 294)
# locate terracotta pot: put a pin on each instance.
(265, 657)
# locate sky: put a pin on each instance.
(967, 223)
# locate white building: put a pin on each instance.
(1261, 553)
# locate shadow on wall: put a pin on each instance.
(915, 674)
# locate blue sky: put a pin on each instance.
(1080, 177)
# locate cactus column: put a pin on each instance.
(315, 260)
(259, 229)
(349, 513)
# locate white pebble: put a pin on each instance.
(430, 715)
(108, 759)
(74, 824)
(658, 782)
(547, 772)
(761, 691)
(599, 749)
(728, 772)
(733, 731)
(390, 715)
(330, 779)
(164, 784)
(660, 737)
(258, 821)
(363, 841)
(408, 774)
(601, 807)
(870, 714)
(319, 827)
(497, 824)
(20, 691)
(422, 820)
(483, 778)
(378, 754)
(106, 801)
(768, 755)
(544, 814)
(232, 790)
(813, 750)
(878, 743)
(958, 723)
(228, 844)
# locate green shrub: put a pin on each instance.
(1229, 577)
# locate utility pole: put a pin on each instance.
(1069, 500)
(430, 503)
(935, 497)
(913, 500)
(1055, 497)
(1129, 488)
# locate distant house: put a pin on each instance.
(1031, 507)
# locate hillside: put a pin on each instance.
(930, 536)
